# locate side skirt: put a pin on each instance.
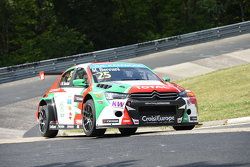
(61, 126)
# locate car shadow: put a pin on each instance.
(115, 135)
(81, 164)
(34, 132)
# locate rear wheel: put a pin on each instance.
(189, 127)
(45, 116)
(127, 131)
(89, 120)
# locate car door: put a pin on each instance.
(75, 96)
(69, 100)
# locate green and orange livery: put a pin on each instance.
(97, 96)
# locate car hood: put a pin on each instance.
(148, 86)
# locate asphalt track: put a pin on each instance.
(214, 147)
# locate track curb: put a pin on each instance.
(226, 122)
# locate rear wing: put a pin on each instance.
(43, 73)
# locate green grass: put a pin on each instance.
(222, 94)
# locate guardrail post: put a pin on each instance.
(115, 54)
(218, 33)
(156, 45)
(94, 55)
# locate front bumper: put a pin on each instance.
(174, 112)
(155, 112)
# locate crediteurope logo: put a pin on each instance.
(158, 118)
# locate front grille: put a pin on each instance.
(154, 96)
(157, 110)
(157, 115)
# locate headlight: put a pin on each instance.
(186, 93)
(111, 95)
(183, 94)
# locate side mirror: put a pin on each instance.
(166, 79)
(79, 82)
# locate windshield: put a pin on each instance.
(104, 74)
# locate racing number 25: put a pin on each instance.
(104, 75)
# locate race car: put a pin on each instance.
(97, 96)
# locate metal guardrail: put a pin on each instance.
(22, 71)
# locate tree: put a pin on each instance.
(33, 30)
(36, 34)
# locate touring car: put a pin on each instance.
(97, 96)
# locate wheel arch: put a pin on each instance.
(42, 103)
(51, 106)
(87, 97)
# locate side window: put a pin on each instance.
(66, 78)
(81, 74)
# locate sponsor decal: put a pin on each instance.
(126, 121)
(105, 69)
(56, 90)
(156, 103)
(70, 126)
(109, 69)
(108, 121)
(136, 121)
(115, 65)
(61, 110)
(100, 101)
(78, 98)
(61, 126)
(69, 108)
(157, 118)
(193, 118)
(78, 121)
(69, 101)
(152, 87)
(119, 104)
(61, 107)
(53, 126)
(179, 120)
(98, 95)
(70, 115)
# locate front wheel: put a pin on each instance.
(45, 116)
(127, 131)
(89, 120)
(189, 127)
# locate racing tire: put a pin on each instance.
(189, 127)
(44, 117)
(127, 131)
(89, 120)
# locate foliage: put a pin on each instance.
(42, 29)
